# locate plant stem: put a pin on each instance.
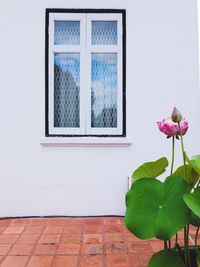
(196, 236)
(183, 151)
(186, 249)
(165, 245)
(189, 260)
(172, 164)
(186, 228)
(176, 241)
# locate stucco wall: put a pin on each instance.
(162, 71)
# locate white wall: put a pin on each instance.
(162, 71)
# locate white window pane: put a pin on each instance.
(104, 32)
(104, 90)
(67, 33)
(66, 90)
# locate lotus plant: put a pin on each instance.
(160, 209)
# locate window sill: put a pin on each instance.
(86, 141)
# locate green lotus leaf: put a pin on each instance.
(194, 219)
(192, 176)
(196, 157)
(166, 258)
(150, 169)
(193, 201)
(157, 209)
(194, 162)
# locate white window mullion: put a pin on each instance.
(83, 72)
(105, 49)
(119, 94)
(88, 77)
(66, 49)
(120, 75)
(51, 74)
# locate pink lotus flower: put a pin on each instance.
(170, 128)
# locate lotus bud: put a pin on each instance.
(176, 115)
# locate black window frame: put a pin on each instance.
(106, 11)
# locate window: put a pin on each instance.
(85, 73)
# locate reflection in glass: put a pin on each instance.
(104, 32)
(66, 89)
(104, 90)
(67, 33)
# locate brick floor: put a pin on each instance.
(72, 242)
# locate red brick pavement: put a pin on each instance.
(72, 242)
